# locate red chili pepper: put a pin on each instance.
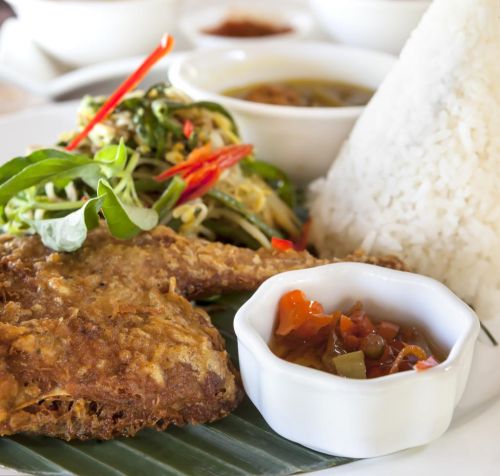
(165, 46)
(299, 245)
(281, 244)
(187, 129)
(194, 178)
(233, 154)
(223, 157)
(187, 165)
(200, 183)
(202, 169)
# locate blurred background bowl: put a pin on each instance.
(194, 23)
(80, 33)
(303, 141)
(379, 24)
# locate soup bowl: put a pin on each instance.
(303, 141)
(349, 417)
(380, 24)
(195, 23)
(80, 33)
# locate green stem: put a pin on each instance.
(169, 197)
(56, 206)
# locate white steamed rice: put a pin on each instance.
(420, 174)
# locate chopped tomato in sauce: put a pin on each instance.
(350, 343)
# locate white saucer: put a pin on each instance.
(25, 65)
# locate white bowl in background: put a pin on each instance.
(80, 33)
(302, 141)
(380, 24)
(348, 417)
(194, 23)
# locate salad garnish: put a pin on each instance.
(143, 158)
(166, 45)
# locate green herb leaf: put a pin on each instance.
(124, 221)
(16, 165)
(48, 170)
(68, 233)
(113, 159)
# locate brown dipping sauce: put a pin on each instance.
(304, 93)
(247, 28)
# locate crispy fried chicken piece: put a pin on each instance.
(81, 372)
(101, 342)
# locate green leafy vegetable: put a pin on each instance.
(69, 233)
(48, 170)
(16, 165)
(124, 221)
(113, 159)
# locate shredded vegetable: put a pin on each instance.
(161, 159)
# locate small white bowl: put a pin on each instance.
(302, 141)
(358, 418)
(194, 23)
(80, 33)
(380, 24)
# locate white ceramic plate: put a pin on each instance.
(25, 65)
(469, 447)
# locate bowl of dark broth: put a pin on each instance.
(295, 101)
(303, 93)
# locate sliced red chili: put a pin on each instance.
(187, 128)
(200, 183)
(233, 154)
(280, 244)
(165, 46)
(224, 157)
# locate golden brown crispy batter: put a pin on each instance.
(98, 343)
(97, 373)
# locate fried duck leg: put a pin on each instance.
(102, 342)
(201, 268)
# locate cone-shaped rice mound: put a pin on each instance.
(420, 173)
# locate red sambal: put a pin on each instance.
(348, 344)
